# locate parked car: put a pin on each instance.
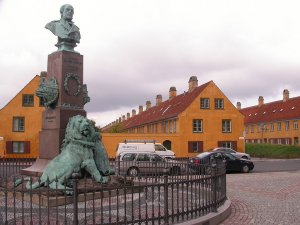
(233, 152)
(144, 146)
(232, 162)
(137, 163)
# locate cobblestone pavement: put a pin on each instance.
(264, 198)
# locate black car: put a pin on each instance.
(233, 163)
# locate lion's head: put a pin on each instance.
(80, 128)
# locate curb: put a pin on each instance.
(212, 218)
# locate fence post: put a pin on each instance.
(75, 177)
(166, 200)
(214, 186)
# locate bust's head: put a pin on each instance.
(67, 12)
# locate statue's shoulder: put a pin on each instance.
(51, 24)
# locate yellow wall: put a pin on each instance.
(212, 121)
(268, 134)
(212, 125)
(33, 121)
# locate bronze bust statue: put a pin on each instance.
(67, 32)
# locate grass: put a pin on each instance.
(273, 151)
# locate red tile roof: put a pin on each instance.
(273, 111)
(167, 109)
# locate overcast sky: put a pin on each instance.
(136, 49)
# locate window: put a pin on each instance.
(246, 129)
(226, 144)
(258, 128)
(296, 140)
(27, 100)
(287, 141)
(129, 157)
(279, 141)
(272, 127)
(18, 124)
(287, 125)
(271, 141)
(17, 147)
(295, 125)
(226, 126)
(143, 157)
(168, 126)
(197, 126)
(159, 148)
(204, 103)
(156, 158)
(279, 126)
(219, 103)
(252, 128)
(265, 128)
(195, 146)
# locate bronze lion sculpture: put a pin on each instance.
(81, 150)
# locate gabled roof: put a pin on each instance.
(35, 77)
(273, 111)
(167, 109)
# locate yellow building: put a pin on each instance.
(21, 121)
(274, 122)
(194, 121)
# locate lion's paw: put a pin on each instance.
(105, 179)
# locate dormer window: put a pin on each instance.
(293, 107)
(281, 110)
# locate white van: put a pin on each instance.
(144, 146)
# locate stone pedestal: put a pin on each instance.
(67, 68)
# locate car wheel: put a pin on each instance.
(175, 170)
(133, 172)
(245, 169)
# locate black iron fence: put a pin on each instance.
(146, 197)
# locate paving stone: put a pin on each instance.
(264, 198)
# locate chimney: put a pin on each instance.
(260, 101)
(133, 112)
(172, 92)
(286, 95)
(123, 117)
(238, 106)
(193, 83)
(128, 115)
(148, 105)
(140, 109)
(43, 74)
(158, 99)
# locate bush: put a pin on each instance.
(273, 151)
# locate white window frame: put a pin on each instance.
(204, 103)
(18, 124)
(296, 125)
(219, 103)
(197, 126)
(18, 147)
(226, 126)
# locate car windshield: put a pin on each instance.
(203, 155)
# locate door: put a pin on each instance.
(167, 144)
